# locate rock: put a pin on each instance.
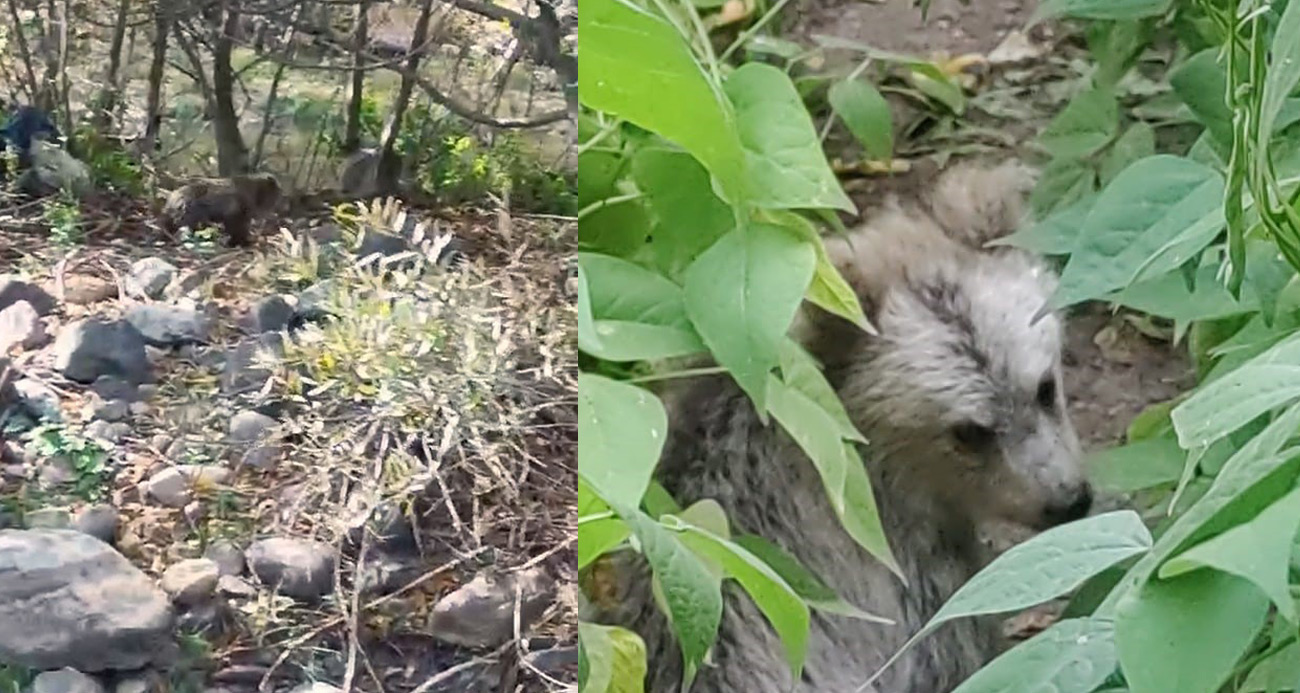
(383, 244)
(390, 530)
(20, 324)
(13, 289)
(48, 518)
(65, 680)
(270, 314)
(191, 581)
(359, 175)
(481, 613)
(1015, 48)
(55, 471)
(227, 556)
(557, 662)
(250, 427)
(113, 388)
(208, 619)
(107, 432)
(314, 301)
(174, 486)
(231, 586)
(388, 574)
(88, 349)
(316, 687)
(110, 410)
(149, 277)
(54, 169)
(70, 600)
(297, 568)
(99, 521)
(85, 289)
(242, 372)
(146, 682)
(169, 326)
(39, 399)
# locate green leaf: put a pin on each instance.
(828, 290)
(688, 216)
(610, 222)
(622, 428)
(742, 294)
(1064, 183)
(1138, 142)
(812, 590)
(1283, 72)
(860, 516)
(1167, 296)
(638, 314)
(587, 337)
(599, 530)
(675, 99)
(1279, 672)
(1266, 381)
(866, 113)
(936, 84)
(800, 372)
(1258, 550)
(1099, 9)
(816, 432)
(1072, 656)
(778, 602)
(659, 502)
(1136, 466)
(786, 164)
(693, 595)
(1148, 206)
(1084, 126)
(615, 659)
(1202, 84)
(1055, 235)
(1163, 631)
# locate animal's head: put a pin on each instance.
(961, 391)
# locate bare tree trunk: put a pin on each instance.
(360, 37)
(232, 154)
(65, 87)
(268, 113)
(153, 108)
(23, 50)
(389, 164)
(109, 91)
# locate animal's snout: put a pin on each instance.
(1069, 506)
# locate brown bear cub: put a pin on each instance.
(231, 202)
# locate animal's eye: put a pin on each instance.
(1047, 393)
(973, 436)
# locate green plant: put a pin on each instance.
(63, 215)
(111, 167)
(85, 456)
(203, 241)
(15, 679)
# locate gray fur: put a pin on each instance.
(957, 344)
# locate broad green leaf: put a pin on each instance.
(707, 514)
(658, 501)
(1087, 124)
(688, 217)
(779, 603)
(1055, 235)
(1279, 672)
(828, 290)
(1186, 634)
(742, 294)
(1138, 142)
(938, 85)
(816, 432)
(1064, 183)
(1167, 296)
(1152, 421)
(587, 337)
(692, 594)
(1283, 72)
(1048, 565)
(799, 370)
(599, 529)
(675, 99)
(771, 45)
(1202, 84)
(610, 221)
(624, 340)
(1269, 380)
(859, 516)
(622, 428)
(637, 314)
(813, 591)
(787, 167)
(1072, 656)
(1136, 466)
(1257, 550)
(616, 660)
(866, 113)
(1150, 204)
(1099, 9)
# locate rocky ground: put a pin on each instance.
(294, 468)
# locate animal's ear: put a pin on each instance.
(976, 203)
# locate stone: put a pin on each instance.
(190, 581)
(314, 301)
(111, 388)
(174, 486)
(297, 568)
(227, 556)
(149, 277)
(70, 600)
(110, 410)
(231, 586)
(99, 521)
(242, 371)
(166, 326)
(39, 399)
(86, 289)
(250, 427)
(481, 613)
(14, 289)
(108, 432)
(21, 325)
(65, 680)
(270, 314)
(88, 349)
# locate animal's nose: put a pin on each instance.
(1069, 507)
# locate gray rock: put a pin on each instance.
(231, 586)
(111, 388)
(149, 277)
(99, 521)
(54, 168)
(269, 314)
(383, 244)
(20, 324)
(190, 581)
(174, 486)
(169, 326)
(65, 680)
(55, 471)
(297, 568)
(250, 427)
(242, 372)
(39, 399)
(359, 176)
(227, 556)
(558, 662)
(88, 349)
(481, 613)
(14, 289)
(107, 431)
(313, 302)
(110, 410)
(263, 457)
(70, 600)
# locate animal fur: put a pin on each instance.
(960, 396)
(231, 202)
